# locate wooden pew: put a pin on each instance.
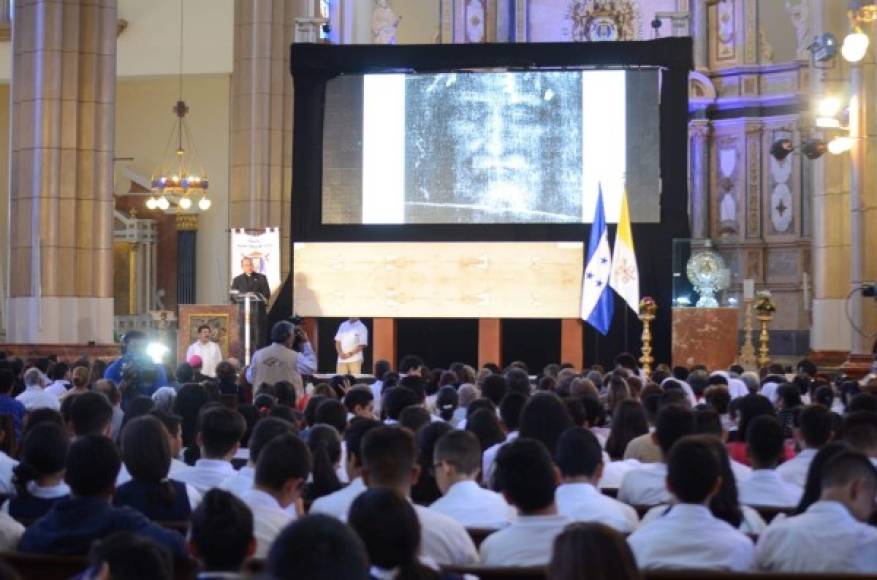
(47, 567)
(536, 573)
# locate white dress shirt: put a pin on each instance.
(42, 492)
(488, 458)
(795, 469)
(614, 472)
(474, 507)
(241, 482)
(582, 502)
(35, 397)
(210, 355)
(527, 541)
(690, 537)
(444, 540)
(645, 486)
(10, 533)
(206, 474)
(825, 538)
(741, 472)
(351, 335)
(337, 504)
(7, 464)
(752, 522)
(177, 467)
(377, 389)
(58, 388)
(765, 487)
(269, 519)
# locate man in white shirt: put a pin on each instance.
(647, 485)
(281, 474)
(526, 476)
(208, 350)
(833, 534)
(278, 362)
(350, 340)
(337, 504)
(264, 432)
(456, 460)
(219, 438)
(764, 486)
(59, 374)
(34, 396)
(580, 460)
(689, 536)
(814, 430)
(389, 461)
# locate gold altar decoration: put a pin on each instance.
(647, 309)
(747, 352)
(764, 309)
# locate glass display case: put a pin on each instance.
(703, 277)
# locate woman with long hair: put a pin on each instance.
(388, 525)
(325, 445)
(591, 551)
(484, 424)
(628, 422)
(39, 476)
(146, 452)
(545, 417)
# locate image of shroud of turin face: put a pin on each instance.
(498, 147)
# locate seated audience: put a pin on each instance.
(91, 414)
(128, 556)
(628, 422)
(647, 485)
(146, 453)
(544, 417)
(456, 462)
(317, 547)
(426, 490)
(39, 477)
(325, 446)
(485, 425)
(360, 402)
(764, 486)
(34, 396)
(219, 437)
(281, 474)
(833, 534)
(813, 431)
(264, 431)
(592, 551)
(111, 392)
(446, 401)
(79, 376)
(414, 418)
(688, 535)
(860, 433)
(580, 461)
(221, 537)
(71, 525)
(337, 504)
(526, 476)
(388, 526)
(645, 448)
(746, 409)
(510, 414)
(59, 375)
(389, 461)
(709, 422)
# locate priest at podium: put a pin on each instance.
(252, 281)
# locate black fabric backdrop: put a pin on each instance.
(536, 342)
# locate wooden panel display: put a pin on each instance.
(438, 280)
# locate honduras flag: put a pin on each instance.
(597, 303)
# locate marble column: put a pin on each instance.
(698, 175)
(261, 118)
(61, 171)
(697, 10)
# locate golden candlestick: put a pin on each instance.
(647, 310)
(747, 352)
(764, 309)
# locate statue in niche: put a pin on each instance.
(384, 23)
(799, 13)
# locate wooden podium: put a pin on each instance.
(707, 336)
(224, 323)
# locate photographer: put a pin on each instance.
(134, 371)
(281, 361)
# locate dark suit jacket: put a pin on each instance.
(253, 283)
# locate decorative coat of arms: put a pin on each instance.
(603, 20)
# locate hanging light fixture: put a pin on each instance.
(180, 177)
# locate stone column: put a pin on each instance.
(63, 124)
(698, 175)
(697, 10)
(261, 118)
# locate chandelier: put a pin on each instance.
(180, 178)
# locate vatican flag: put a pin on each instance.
(625, 275)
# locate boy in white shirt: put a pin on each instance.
(526, 476)
(456, 460)
(350, 340)
(281, 474)
(389, 460)
(814, 429)
(689, 536)
(263, 433)
(648, 484)
(764, 486)
(833, 534)
(219, 436)
(580, 460)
